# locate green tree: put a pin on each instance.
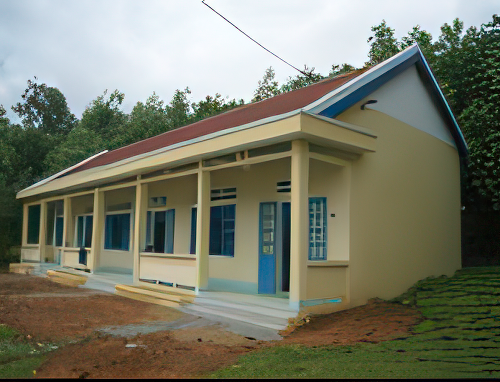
(301, 80)
(104, 117)
(211, 106)
(480, 120)
(337, 70)
(46, 109)
(383, 44)
(147, 120)
(80, 144)
(179, 108)
(268, 86)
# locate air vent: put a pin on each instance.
(223, 193)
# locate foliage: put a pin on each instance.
(211, 106)
(301, 80)
(104, 117)
(268, 86)
(337, 70)
(45, 108)
(480, 120)
(383, 44)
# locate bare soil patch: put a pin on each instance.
(374, 322)
(51, 312)
(48, 311)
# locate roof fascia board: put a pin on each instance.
(131, 167)
(60, 173)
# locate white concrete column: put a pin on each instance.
(202, 229)
(43, 230)
(97, 229)
(299, 224)
(141, 206)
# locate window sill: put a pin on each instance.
(328, 263)
(168, 256)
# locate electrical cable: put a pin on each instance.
(275, 55)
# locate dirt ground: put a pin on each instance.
(48, 312)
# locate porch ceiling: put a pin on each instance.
(322, 131)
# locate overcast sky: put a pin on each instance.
(83, 47)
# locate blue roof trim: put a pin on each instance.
(456, 132)
(411, 57)
(343, 104)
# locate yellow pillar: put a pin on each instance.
(202, 229)
(97, 229)
(141, 204)
(66, 226)
(43, 230)
(299, 224)
(24, 240)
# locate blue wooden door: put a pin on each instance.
(267, 248)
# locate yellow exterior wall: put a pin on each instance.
(333, 182)
(326, 282)
(254, 186)
(181, 195)
(405, 209)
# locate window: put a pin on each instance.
(117, 231)
(160, 231)
(33, 224)
(221, 230)
(192, 247)
(84, 225)
(317, 229)
(59, 226)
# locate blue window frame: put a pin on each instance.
(317, 229)
(117, 231)
(222, 223)
(160, 231)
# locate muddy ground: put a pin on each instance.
(47, 312)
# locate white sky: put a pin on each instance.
(83, 47)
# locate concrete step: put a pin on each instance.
(146, 298)
(22, 268)
(157, 294)
(276, 323)
(66, 278)
(278, 311)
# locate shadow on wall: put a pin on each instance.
(480, 238)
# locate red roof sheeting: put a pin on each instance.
(280, 104)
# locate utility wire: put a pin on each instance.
(278, 57)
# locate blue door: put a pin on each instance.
(267, 248)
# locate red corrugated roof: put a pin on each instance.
(280, 104)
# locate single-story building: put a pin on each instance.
(344, 190)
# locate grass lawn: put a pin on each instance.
(459, 338)
(19, 357)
